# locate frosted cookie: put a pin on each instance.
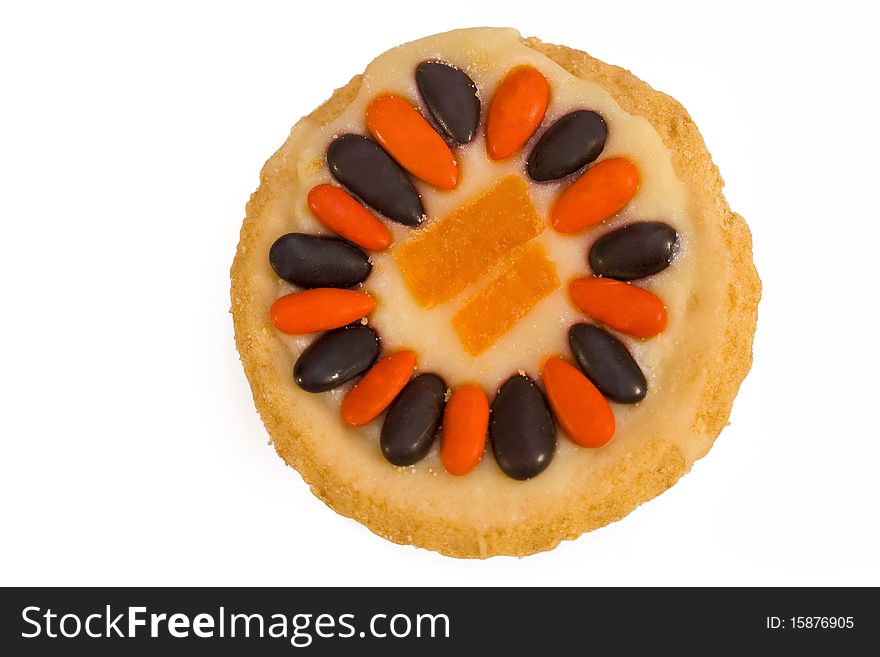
(489, 296)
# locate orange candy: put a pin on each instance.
(582, 411)
(337, 210)
(486, 228)
(320, 309)
(409, 139)
(494, 310)
(621, 306)
(377, 389)
(465, 422)
(516, 111)
(600, 193)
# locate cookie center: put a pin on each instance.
(493, 311)
(508, 272)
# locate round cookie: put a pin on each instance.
(692, 369)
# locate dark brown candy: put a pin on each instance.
(634, 251)
(336, 357)
(571, 143)
(451, 98)
(607, 363)
(412, 420)
(309, 261)
(522, 429)
(369, 172)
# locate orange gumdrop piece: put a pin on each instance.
(465, 422)
(582, 411)
(600, 193)
(516, 111)
(342, 214)
(321, 309)
(627, 308)
(486, 229)
(494, 310)
(377, 389)
(409, 139)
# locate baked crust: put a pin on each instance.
(646, 472)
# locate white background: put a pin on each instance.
(130, 140)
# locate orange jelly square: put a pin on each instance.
(493, 311)
(462, 247)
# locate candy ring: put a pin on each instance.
(513, 250)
